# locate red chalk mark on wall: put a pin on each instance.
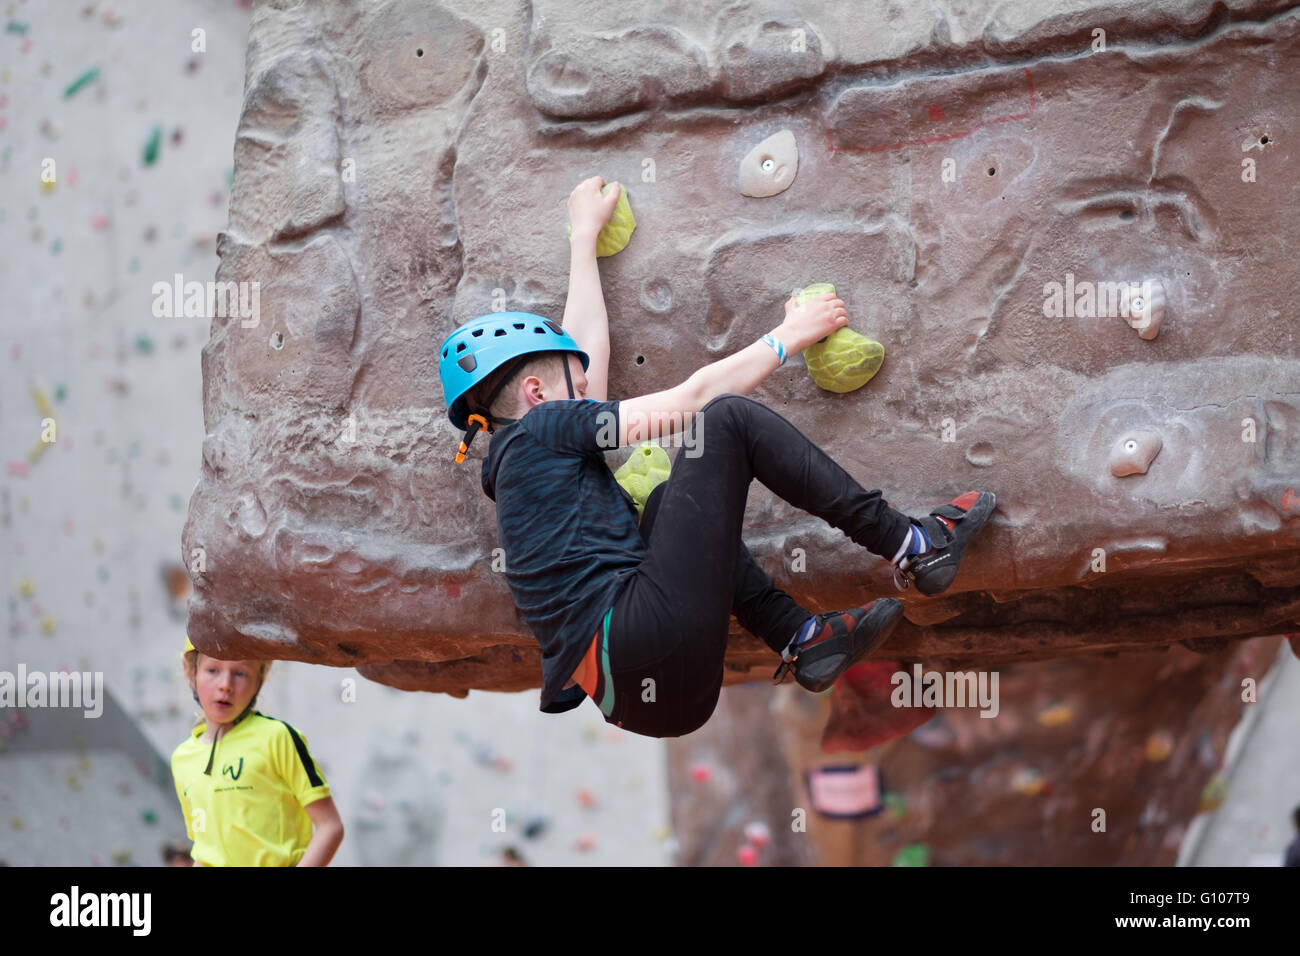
(935, 113)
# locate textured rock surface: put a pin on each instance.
(403, 167)
(1142, 738)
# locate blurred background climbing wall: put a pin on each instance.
(140, 126)
(117, 125)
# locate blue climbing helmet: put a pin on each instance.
(480, 347)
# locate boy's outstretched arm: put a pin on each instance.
(584, 312)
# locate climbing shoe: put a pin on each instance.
(950, 529)
(839, 640)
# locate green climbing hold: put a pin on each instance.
(896, 804)
(614, 235)
(16, 26)
(144, 344)
(644, 469)
(1212, 797)
(153, 145)
(56, 246)
(60, 392)
(812, 291)
(845, 360)
(148, 816)
(88, 77)
(914, 854)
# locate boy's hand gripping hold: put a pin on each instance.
(812, 321)
(590, 209)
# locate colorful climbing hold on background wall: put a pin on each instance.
(89, 76)
(1159, 746)
(1029, 781)
(152, 145)
(896, 805)
(914, 854)
(1213, 794)
(701, 772)
(1055, 715)
(757, 833)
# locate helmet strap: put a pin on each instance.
(564, 357)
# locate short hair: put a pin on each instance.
(506, 404)
(192, 667)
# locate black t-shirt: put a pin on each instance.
(568, 529)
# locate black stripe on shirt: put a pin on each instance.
(307, 763)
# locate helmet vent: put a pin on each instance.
(444, 353)
(467, 362)
(540, 329)
(460, 347)
(519, 325)
(499, 332)
(477, 332)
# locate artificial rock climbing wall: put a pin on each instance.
(1081, 762)
(1067, 224)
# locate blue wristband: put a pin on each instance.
(776, 346)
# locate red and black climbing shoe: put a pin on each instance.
(839, 640)
(950, 529)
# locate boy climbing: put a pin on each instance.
(636, 615)
(248, 786)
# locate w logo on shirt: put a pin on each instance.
(231, 772)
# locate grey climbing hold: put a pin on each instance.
(1143, 307)
(769, 168)
(1134, 452)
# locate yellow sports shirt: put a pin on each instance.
(249, 810)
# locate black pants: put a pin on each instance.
(661, 667)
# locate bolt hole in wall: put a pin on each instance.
(640, 360)
(419, 52)
(992, 170)
(1126, 215)
(277, 340)
(1263, 141)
